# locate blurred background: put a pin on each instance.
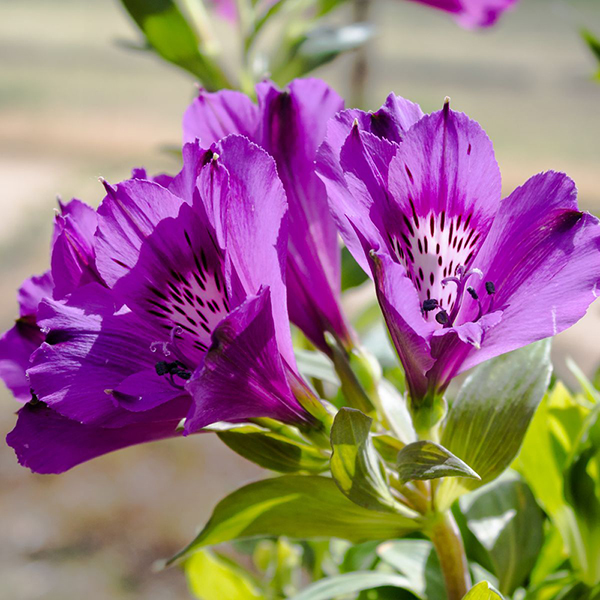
(75, 106)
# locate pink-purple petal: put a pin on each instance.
(243, 375)
(47, 442)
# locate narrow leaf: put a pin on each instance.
(355, 466)
(428, 460)
(298, 507)
(487, 422)
(350, 583)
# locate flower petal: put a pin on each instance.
(127, 216)
(410, 333)
(446, 164)
(293, 125)
(73, 254)
(254, 217)
(32, 291)
(543, 257)
(47, 442)
(243, 375)
(90, 349)
(213, 116)
(16, 347)
(356, 182)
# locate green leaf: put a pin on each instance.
(173, 38)
(298, 507)
(350, 583)
(482, 591)
(213, 578)
(549, 445)
(275, 452)
(428, 460)
(352, 273)
(418, 562)
(509, 524)
(488, 420)
(356, 467)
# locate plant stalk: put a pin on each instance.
(448, 544)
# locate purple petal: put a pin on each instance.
(178, 285)
(16, 348)
(543, 256)
(402, 311)
(356, 188)
(293, 125)
(127, 216)
(91, 347)
(255, 227)
(213, 116)
(390, 122)
(32, 291)
(472, 13)
(243, 376)
(73, 255)
(47, 442)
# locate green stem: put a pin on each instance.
(448, 544)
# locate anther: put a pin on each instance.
(490, 288)
(472, 293)
(442, 317)
(429, 305)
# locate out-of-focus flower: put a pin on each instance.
(472, 13)
(461, 276)
(290, 124)
(180, 312)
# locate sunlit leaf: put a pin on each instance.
(482, 591)
(212, 578)
(488, 420)
(302, 507)
(355, 465)
(428, 460)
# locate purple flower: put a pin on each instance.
(290, 125)
(461, 276)
(472, 13)
(72, 258)
(186, 318)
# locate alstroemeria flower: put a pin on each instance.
(187, 319)
(461, 275)
(472, 13)
(290, 125)
(72, 265)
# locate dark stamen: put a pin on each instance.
(442, 317)
(429, 305)
(490, 288)
(472, 293)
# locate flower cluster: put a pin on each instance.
(167, 309)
